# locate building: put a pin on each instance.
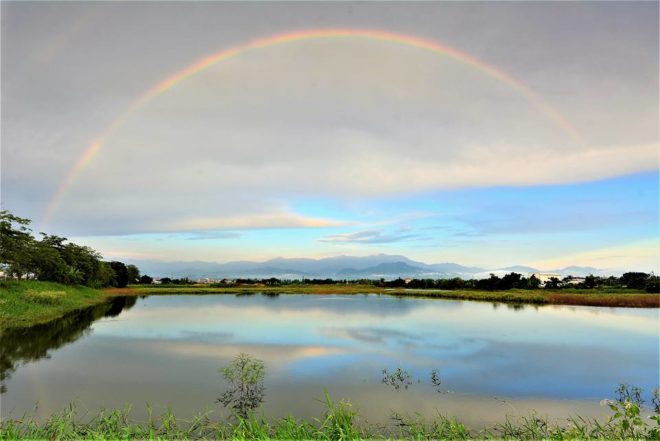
(545, 277)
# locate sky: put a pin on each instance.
(487, 134)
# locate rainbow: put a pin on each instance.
(279, 39)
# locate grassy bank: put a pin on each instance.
(592, 297)
(27, 302)
(339, 422)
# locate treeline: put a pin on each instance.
(631, 280)
(169, 281)
(54, 259)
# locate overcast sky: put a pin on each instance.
(331, 146)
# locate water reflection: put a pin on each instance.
(23, 345)
(514, 306)
(167, 350)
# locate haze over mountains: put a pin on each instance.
(340, 267)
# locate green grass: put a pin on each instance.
(339, 422)
(27, 302)
(588, 297)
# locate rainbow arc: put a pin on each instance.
(280, 39)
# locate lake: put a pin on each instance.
(493, 359)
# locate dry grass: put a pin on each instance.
(596, 297)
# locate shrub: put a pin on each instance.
(245, 376)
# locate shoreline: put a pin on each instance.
(27, 303)
(338, 421)
(539, 297)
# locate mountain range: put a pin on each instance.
(377, 266)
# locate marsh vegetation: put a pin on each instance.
(340, 421)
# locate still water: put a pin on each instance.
(494, 360)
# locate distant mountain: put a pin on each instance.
(454, 268)
(377, 266)
(387, 270)
(582, 271)
(519, 269)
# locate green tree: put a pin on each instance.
(81, 263)
(104, 276)
(553, 283)
(47, 263)
(133, 274)
(534, 282)
(15, 244)
(590, 281)
(510, 281)
(653, 284)
(85, 261)
(121, 274)
(634, 280)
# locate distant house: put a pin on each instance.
(545, 277)
(572, 280)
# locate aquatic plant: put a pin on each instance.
(435, 379)
(245, 376)
(397, 379)
(339, 422)
(627, 393)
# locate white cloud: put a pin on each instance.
(257, 221)
(370, 237)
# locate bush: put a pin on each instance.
(245, 376)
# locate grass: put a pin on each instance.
(339, 422)
(595, 297)
(27, 303)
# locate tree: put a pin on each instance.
(146, 280)
(510, 281)
(490, 284)
(83, 260)
(553, 283)
(634, 280)
(104, 276)
(245, 376)
(534, 282)
(121, 274)
(47, 263)
(653, 284)
(53, 258)
(133, 273)
(590, 281)
(15, 243)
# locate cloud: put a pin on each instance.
(126, 216)
(213, 235)
(371, 335)
(327, 120)
(643, 255)
(370, 237)
(253, 221)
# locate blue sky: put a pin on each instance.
(546, 224)
(339, 146)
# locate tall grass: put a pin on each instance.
(339, 422)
